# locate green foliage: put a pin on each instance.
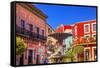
(20, 46)
(69, 53)
(75, 50)
(78, 49)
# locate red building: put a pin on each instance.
(31, 27)
(84, 33)
(64, 28)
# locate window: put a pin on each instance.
(38, 30)
(30, 56)
(30, 27)
(22, 26)
(86, 28)
(94, 27)
(87, 55)
(94, 36)
(87, 36)
(22, 23)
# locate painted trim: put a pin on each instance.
(89, 28)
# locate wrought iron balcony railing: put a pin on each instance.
(31, 34)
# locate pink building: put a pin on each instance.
(31, 27)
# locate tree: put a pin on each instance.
(69, 54)
(78, 49)
(20, 46)
(73, 51)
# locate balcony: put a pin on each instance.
(85, 41)
(27, 33)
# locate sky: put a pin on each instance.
(67, 15)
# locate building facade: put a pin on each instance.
(31, 27)
(50, 30)
(51, 42)
(84, 33)
(68, 41)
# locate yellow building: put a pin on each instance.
(50, 40)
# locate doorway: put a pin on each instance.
(30, 56)
(22, 59)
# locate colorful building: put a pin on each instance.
(31, 27)
(50, 41)
(84, 33)
(50, 30)
(42, 40)
(63, 35)
(65, 29)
